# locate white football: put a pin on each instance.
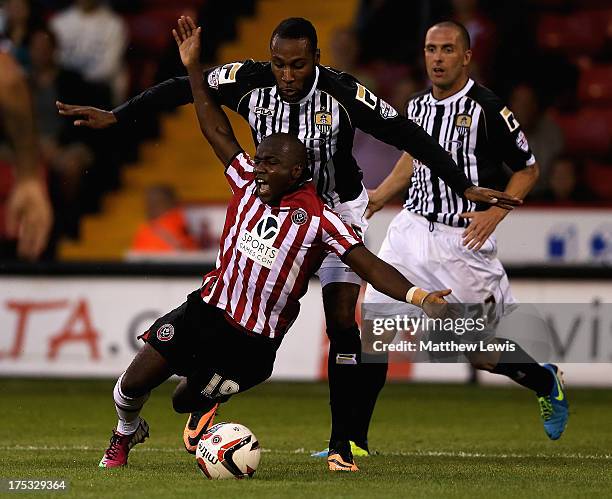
(228, 450)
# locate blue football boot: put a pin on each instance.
(554, 407)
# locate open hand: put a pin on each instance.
(29, 217)
(434, 304)
(188, 41)
(490, 196)
(374, 204)
(90, 117)
(482, 225)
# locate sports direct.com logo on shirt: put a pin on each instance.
(256, 244)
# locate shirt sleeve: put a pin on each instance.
(337, 236)
(228, 84)
(164, 96)
(506, 138)
(239, 171)
(379, 119)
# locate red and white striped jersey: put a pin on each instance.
(268, 253)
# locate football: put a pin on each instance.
(228, 450)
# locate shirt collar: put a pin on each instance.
(456, 96)
(292, 199)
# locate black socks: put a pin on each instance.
(522, 368)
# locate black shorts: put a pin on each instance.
(217, 358)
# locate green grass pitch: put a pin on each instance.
(433, 441)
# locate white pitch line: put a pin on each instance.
(422, 453)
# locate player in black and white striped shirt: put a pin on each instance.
(442, 238)
(480, 133)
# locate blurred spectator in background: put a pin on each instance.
(390, 29)
(482, 36)
(166, 227)
(26, 212)
(389, 81)
(92, 41)
(544, 135)
(20, 19)
(346, 56)
(392, 82)
(63, 146)
(566, 184)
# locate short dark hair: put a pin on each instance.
(295, 28)
(294, 146)
(463, 32)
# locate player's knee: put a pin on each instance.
(483, 365)
(132, 387)
(340, 317)
(340, 321)
(484, 361)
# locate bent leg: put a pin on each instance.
(519, 366)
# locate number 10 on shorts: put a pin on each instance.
(218, 387)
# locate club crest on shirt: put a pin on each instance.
(299, 216)
(257, 243)
(463, 121)
(323, 121)
(165, 332)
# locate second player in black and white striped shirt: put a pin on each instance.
(440, 238)
(480, 133)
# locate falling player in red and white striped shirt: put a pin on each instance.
(224, 338)
(271, 246)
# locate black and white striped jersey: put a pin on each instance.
(480, 133)
(325, 120)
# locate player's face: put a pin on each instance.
(293, 65)
(446, 58)
(275, 172)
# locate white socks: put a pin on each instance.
(128, 409)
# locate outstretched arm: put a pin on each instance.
(164, 96)
(410, 137)
(379, 119)
(213, 121)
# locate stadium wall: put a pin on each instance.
(530, 236)
(83, 321)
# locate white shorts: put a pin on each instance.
(353, 213)
(439, 260)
